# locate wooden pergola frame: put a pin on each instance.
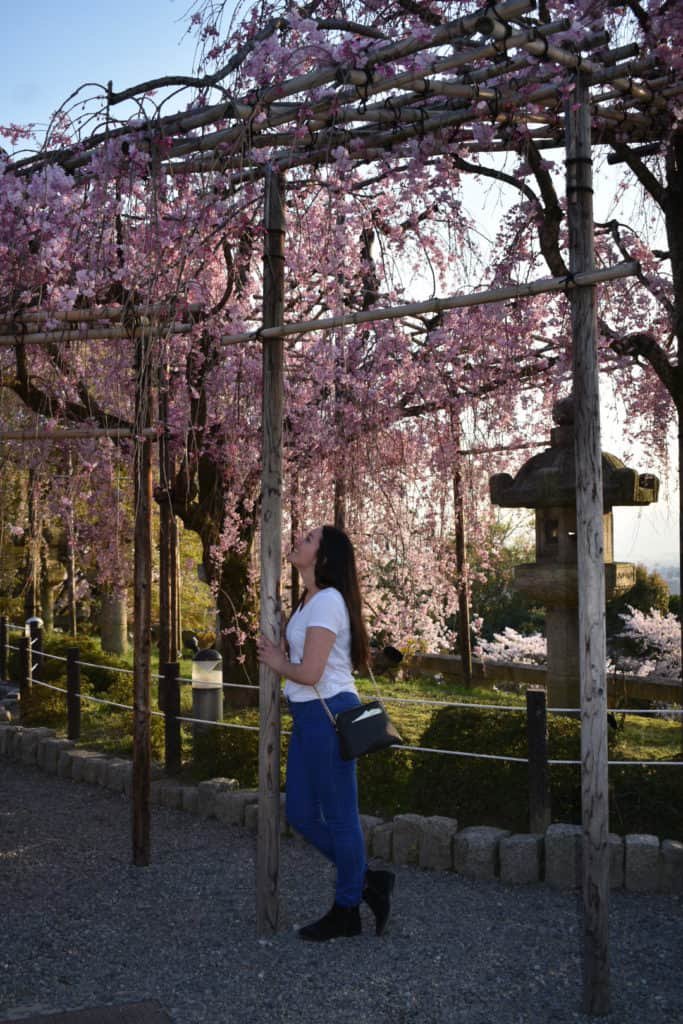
(473, 73)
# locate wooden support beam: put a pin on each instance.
(40, 436)
(589, 529)
(517, 291)
(95, 333)
(142, 754)
(268, 844)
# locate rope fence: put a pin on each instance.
(399, 747)
(174, 719)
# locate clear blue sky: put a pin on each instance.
(49, 47)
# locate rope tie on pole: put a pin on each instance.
(363, 90)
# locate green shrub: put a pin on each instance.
(482, 792)
(227, 753)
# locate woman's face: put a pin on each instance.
(304, 552)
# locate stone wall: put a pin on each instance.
(638, 863)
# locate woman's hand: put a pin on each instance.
(272, 655)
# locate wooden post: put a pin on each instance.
(142, 756)
(589, 513)
(73, 689)
(4, 640)
(268, 845)
(295, 526)
(36, 649)
(71, 560)
(464, 636)
(171, 724)
(26, 670)
(537, 740)
(168, 537)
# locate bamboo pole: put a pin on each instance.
(517, 291)
(538, 287)
(268, 845)
(38, 435)
(94, 334)
(464, 635)
(589, 519)
(323, 110)
(167, 567)
(487, 16)
(142, 609)
(39, 316)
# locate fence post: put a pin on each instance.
(4, 640)
(36, 631)
(171, 710)
(537, 740)
(73, 689)
(25, 670)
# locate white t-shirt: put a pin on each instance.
(326, 608)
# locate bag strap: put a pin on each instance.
(324, 702)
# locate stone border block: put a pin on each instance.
(563, 856)
(382, 841)
(671, 867)
(102, 769)
(91, 768)
(6, 734)
(118, 772)
(407, 838)
(79, 758)
(521, 859)
(49, 750)
(14, 743)
(368, 824)
(476, 851)
(230, 805)
(27, 748)
(642, 863)
(209, 790)
(436, 843)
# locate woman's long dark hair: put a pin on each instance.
(335, 566)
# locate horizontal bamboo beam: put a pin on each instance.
(95, 334)
(323, 111)
(538, 287)
(38, 316)
(39, 435)
(443, 35)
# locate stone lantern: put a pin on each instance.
(547, 483)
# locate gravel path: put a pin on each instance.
(81, 927)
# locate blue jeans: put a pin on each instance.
(322, 794)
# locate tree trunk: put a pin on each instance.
(236, 607)
(114, 621)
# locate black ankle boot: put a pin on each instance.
(377, 894)
(339, 922)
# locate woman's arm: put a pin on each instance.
(317, 647)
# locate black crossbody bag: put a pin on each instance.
(364, 729)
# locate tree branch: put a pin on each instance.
(642, 173)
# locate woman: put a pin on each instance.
(326, 639)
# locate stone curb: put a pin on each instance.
(638, 863)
